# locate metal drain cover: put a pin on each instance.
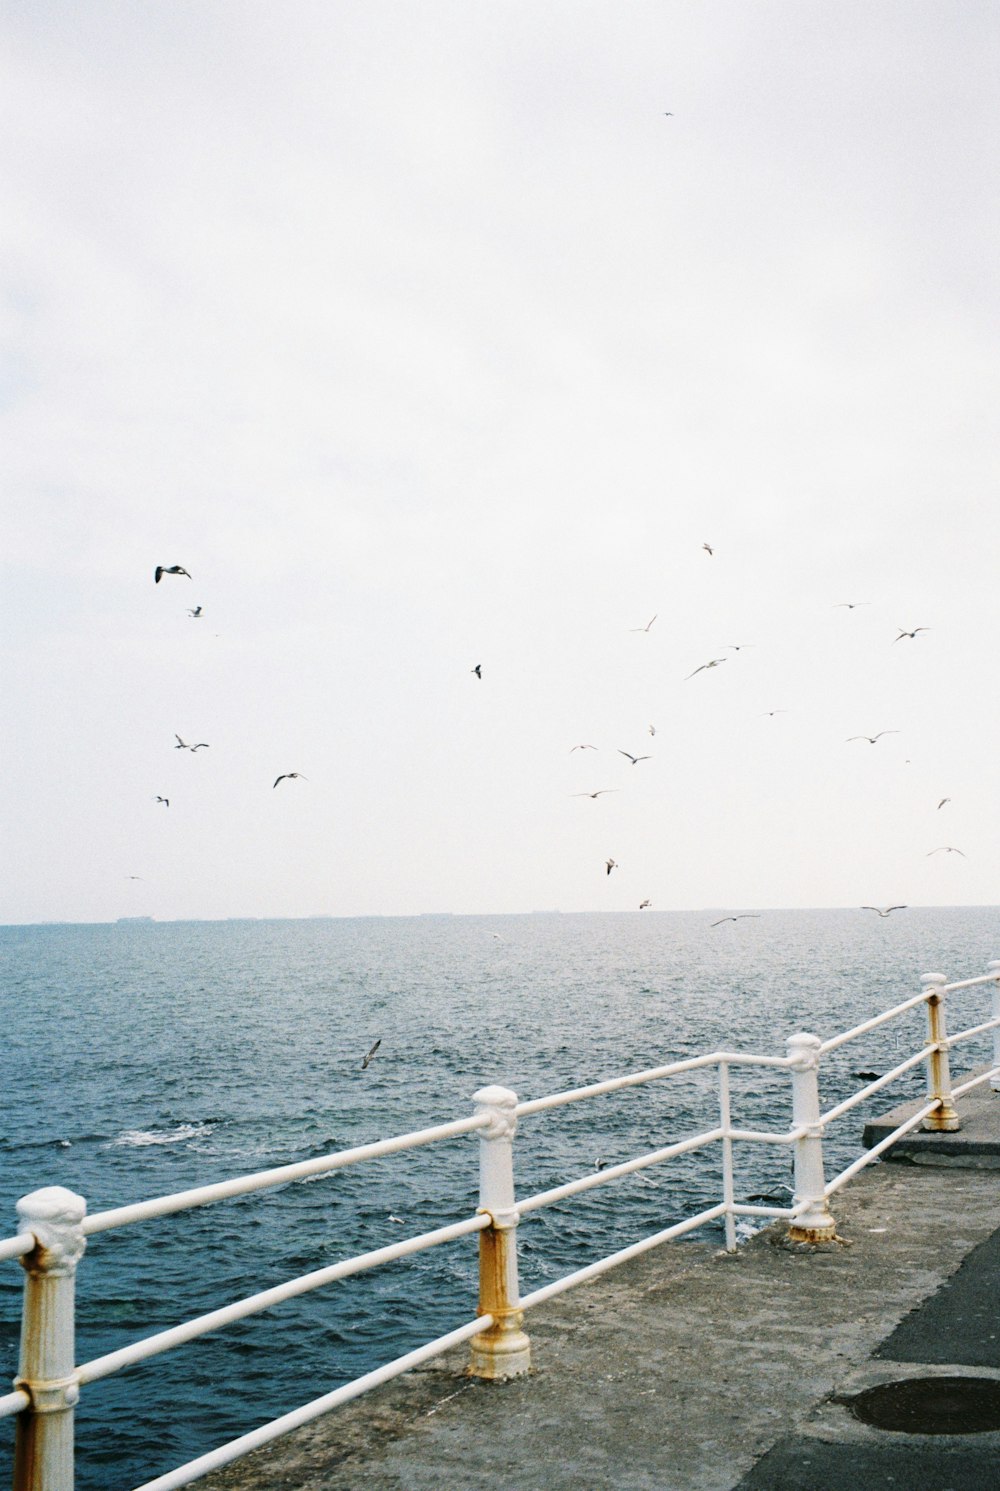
(931, 1405)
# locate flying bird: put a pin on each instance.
(652, 729)
(713, 664)
(770, 713)
(478, 670)
(738, 646)
(582, 748)
(904, 633)
(195, 612)
(883, 910)
(946, 849)
(708, 548)
(851, 604)
(645, 628)
(611, 864)
(742, 917)
(599, 793)
(182, 745)
(287, 776)
(644, 904)
(371, 1053)
(942, 802)
(165, 800)
(871, 738)
(169, 569)
(634, 759)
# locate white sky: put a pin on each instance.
(422, 338)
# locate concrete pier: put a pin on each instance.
(693, 1370)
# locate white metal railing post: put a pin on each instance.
(503, 1349)
(726, 1124)
(43, 1452)
(994, 968)
(814, 1223)
(944, 1118)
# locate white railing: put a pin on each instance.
(54, 1228)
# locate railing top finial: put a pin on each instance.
(933, 978)
(803, 1051)
(499, 1103)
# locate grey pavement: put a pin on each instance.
(692, 1370)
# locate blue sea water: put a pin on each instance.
(143, 1058)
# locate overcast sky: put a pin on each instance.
(423, 336)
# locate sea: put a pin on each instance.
(141, 1058)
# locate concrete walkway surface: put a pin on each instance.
(692, 1370)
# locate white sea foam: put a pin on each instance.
(139, 1138)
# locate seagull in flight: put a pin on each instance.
(195, 612)
(946, 849)
(713, 664)
(738, 646)
(742, 917)
(634, 759)
(871, 738)
(708, 548)
(165, 800)
(770, 713)
(169, 569)
(287, 776)
(599, 793)
(644, 904)
(478, 670)
(611, 864)
(883, 910)
(371, 1053)
(850, 604)
(942, 803)
(582, 748)
(182, 745)
(904, 633)
(645, 628)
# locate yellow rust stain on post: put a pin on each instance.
(503, 1349)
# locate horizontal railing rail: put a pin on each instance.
(54, 1226)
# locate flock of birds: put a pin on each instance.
(202, 745)
(611, 864)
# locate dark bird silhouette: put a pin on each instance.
(645, 628)
(942, 802)
(182, 745)
(611, 864)
(165, 800)
(599, 793)
(195, 612)
(600, 1164)
(946, 849)
(851, 604)
(478, 670)
(287, 776)
(582, 748)
(708, 548)
(169, 569)
(371, 1053)
(871, 738)
(634, 759)
(903, 633)
(884, 910)
(742, 917)
(770, 713)
(713, 664)
(738, 646)
(667, 114)
(644, 904)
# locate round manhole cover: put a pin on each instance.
(931, 1405)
